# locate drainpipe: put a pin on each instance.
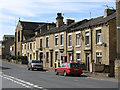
(66, 45)
(91, 42)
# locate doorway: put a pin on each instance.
(87, 61)
(51, 59)
(41, 57)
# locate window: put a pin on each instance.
(30, 56)
(78, 56)
(34, 46)
(61, 39)
(31, 46)
(98, 35)
(87, 38)
(56, 40)
(56, 55)
(25, 46)
(40, 42)
(28, 46)
(98, 57)
(47, 42)
(47, 57)
(78, 39)
(70, 43)
(19, 36)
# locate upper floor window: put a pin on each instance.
(31, 46)
(99, 37)
(47, 42)
(61, 39)
(78, 39)
(25, 46)
(87, 38)
(98, 57)
(34, 45)
(28, 46)
(70, 41)
(40, 42)
(56, 40)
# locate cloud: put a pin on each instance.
(11, 10)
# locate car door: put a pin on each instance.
(63, 68)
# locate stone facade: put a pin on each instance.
(82, 42)
(6, 46)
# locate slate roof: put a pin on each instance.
(9, 35)
(79, 25)
(96, 21)
(30, 25)
(30, 39)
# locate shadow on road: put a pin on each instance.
(4, 68)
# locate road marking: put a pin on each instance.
(22, 82)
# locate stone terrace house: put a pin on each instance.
(51, 44)
(80, 42)
(26, 30)
(94, 40)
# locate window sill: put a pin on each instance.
(98, 44)
(87, 45)
(56, 45)
(61, 45)
(78, 46)
(69, 46)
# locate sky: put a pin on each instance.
(46, 11)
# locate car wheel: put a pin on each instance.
(56, 72)
(65, 73)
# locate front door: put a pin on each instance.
(41, 57)
(51, 60)
(87, 61)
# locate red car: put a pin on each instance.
(69, 68)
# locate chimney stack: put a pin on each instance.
(109, 12)
(59, 20)
(69, 21)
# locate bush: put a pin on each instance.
(13, 57)
(16, 57)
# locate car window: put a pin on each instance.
(64, 65)
(35, 61)
(68, 65)
(75, 65)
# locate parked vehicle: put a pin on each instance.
(69, 68)
(35, 64)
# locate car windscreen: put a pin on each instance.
(35, 61)
(75, 65)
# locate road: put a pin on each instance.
(17, 76)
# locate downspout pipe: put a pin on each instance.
(91, 41)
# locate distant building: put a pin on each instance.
(26, 30)
(8, 40)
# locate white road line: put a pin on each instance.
(22, 82)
